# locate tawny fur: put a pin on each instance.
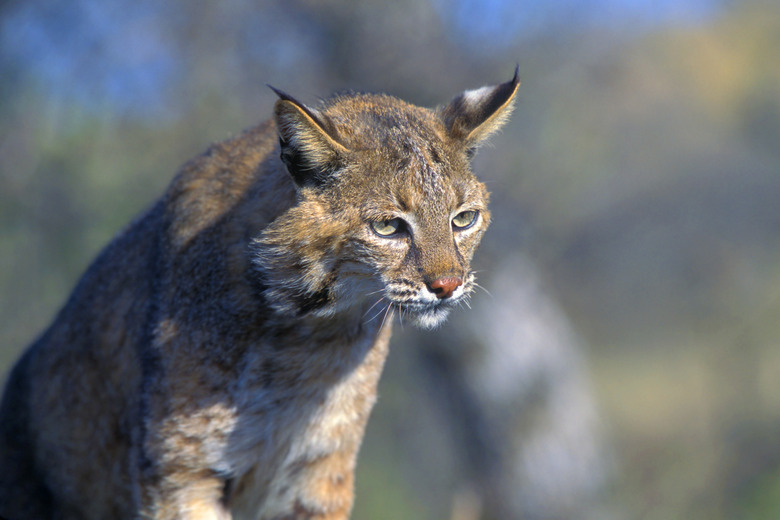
(220, 358)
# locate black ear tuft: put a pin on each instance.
(309, 145)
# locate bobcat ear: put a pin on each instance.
(475, 114)
(309, 146)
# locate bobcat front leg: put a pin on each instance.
(180, 497)
(177, 479)
(319, 488)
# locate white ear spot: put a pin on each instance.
(472, 97)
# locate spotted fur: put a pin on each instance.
(220, 358)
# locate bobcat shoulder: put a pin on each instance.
(219, 359)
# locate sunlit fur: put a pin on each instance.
(220, 357)
(396, 161)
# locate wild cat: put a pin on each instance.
(220, 357)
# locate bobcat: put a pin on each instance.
(220, 357)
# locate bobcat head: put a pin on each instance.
(389, 213)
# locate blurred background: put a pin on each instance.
(623, 361)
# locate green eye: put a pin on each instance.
(465, 219)
(386, 228)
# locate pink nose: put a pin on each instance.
(444, 287)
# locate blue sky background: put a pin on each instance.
(117, 52)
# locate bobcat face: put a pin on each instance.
(419, 229)
(388, 214)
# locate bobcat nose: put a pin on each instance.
(444, 287)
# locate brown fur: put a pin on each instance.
(220, 357)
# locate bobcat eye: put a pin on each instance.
(386, 228)
(464, 219)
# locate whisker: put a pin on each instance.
(378, 313)
(374, 305)
(387, 311)
(475, 284)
